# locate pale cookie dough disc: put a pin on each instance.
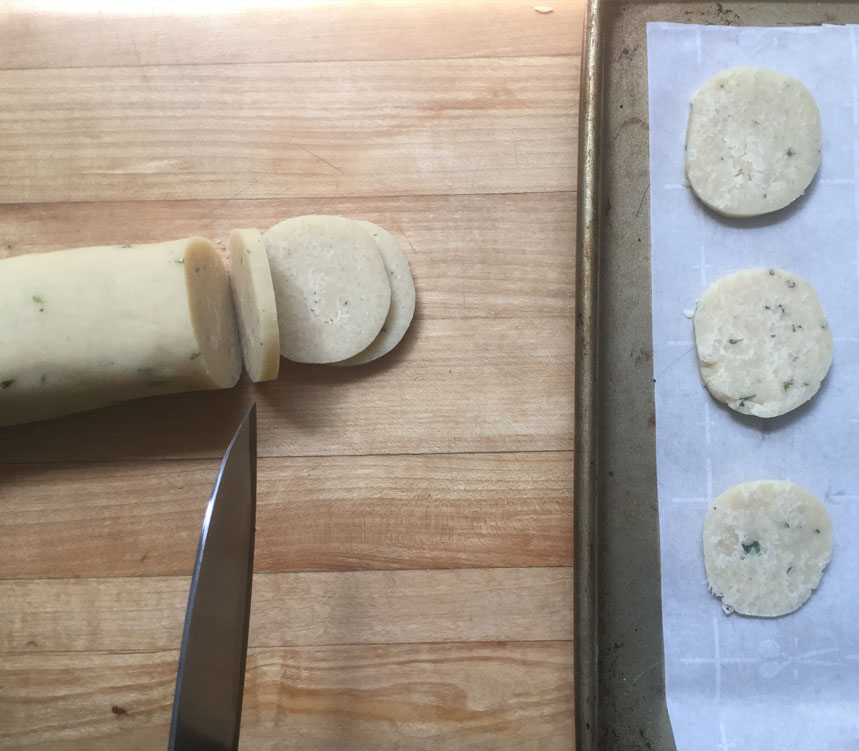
(766, 544)
(402, 297)
(763, 342)
(753, 141)
(253, 295)
(330, 286)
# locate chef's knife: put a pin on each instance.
(207, 705)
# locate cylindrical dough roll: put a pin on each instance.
(89, 327)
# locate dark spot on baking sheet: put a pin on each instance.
(43, 379)
(6, 384)
(117, 710)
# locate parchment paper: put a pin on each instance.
(735, 682)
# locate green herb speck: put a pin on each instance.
(752, 547)
(194, 355)
(790, 283)
(178, 260)
(786, 525)
(43, 379)
(817, 531)
(126, 246)
(790, 151)
(145, 372)
(7, 384)
(750, 396)
(734, 341)
(787, 384)
(38, 299)
(772, 272)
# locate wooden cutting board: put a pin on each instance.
(413, 586)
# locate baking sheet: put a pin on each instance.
(731, 681)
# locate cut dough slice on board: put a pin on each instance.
(753, 141)
(402, 296)
(766, 544)
(89, 327)
(253, 295)
(330, 286)
(763, 342)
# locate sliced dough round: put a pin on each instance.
(402, 296)
(330, 286)
(763, 342)
(253, 295)
(766, 544)
(753, 141)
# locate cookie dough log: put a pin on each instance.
(88, 327)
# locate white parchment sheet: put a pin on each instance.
(735, 682)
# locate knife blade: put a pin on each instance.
(207, 703)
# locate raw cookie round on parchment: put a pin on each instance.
(253, 297)
(753, 141)
(766, 544)
(330, 286)
(763, 341)
(402, 296)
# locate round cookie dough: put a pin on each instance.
(330, 286)
(402, 296)
(753, 141)
(253, 297)
(763, 342)
(766, 544)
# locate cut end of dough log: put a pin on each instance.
(256, 310)
(753, 141)
(212, 314)
(766, 544)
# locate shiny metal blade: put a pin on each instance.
(207, 705)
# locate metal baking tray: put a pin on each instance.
(619, 668)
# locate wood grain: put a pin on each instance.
(418, 696)
(487, 125)
(170, 34)
(313, 608)
(415, 515)
(143, 518)
(474, 385)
